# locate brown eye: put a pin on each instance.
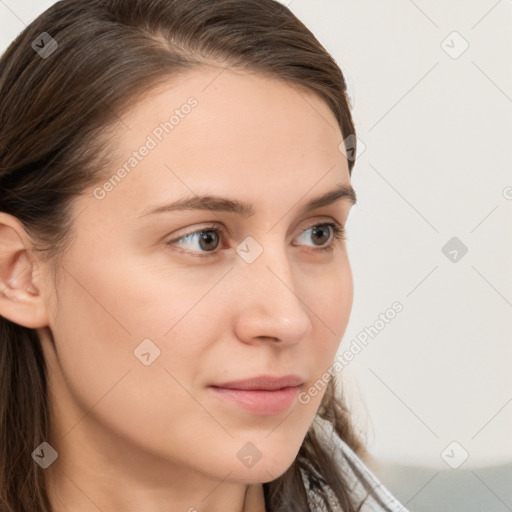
(322, 233)
(205, 241)
(200, 242)
(208, 239)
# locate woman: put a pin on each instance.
(168, 320)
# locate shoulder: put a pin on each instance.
(370, 493)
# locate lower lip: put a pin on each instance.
(259, 401)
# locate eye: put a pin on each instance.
(320, 232)
(207, 239)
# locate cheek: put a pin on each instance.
(109, 333)
(107, 389)
(158, 406)
(329, 299)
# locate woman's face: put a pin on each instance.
(149, 314)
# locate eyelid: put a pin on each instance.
(213, 226)
(209, 227)
(325, 220)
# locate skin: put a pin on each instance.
(133, 437)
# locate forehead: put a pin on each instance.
(235, 110)
(232, 130)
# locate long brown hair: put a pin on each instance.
(55, 111)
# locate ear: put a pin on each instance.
(20, 298)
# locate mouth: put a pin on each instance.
(264, 395)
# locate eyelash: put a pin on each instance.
(338, 237)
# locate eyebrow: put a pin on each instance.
(221, 204)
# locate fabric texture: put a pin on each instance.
(369, 493)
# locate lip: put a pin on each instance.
(263, 383)
(264, 395)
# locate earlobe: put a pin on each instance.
(20, 299)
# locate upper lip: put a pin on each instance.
(263, 383)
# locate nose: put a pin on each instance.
(269, 305)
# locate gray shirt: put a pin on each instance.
(370, 493)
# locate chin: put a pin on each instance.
(259, 473)
(273, 461)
